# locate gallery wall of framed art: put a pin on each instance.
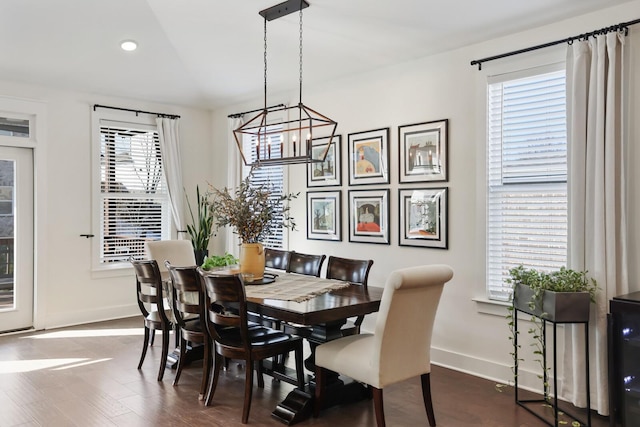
(422, 205)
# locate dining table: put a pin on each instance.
(322, 313)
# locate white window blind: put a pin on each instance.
(133, 192)
(527, 177)
(271, 176)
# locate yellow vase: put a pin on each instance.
(252, 260)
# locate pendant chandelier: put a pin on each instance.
(283, 135)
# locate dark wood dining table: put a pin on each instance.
(325, 314)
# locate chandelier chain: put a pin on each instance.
(265, 63)
(300, 52)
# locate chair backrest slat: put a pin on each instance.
(306, 264)
(349, 270)
(276, 258)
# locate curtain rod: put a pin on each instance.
(236, 115)
(621, 26)
(169, 116)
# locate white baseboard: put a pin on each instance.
(79, 317)
(486, 369)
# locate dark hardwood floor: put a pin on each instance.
(87, 376)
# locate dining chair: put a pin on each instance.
(149, 290)
(226, 321)
(186, 284)
(276, 258)
(306, 264)
(354, 271)
(400, 347)
(178, 253)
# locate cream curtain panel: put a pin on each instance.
(234, 175)
(168, 133)
(597, 202)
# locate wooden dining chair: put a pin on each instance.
(149, 290)
(306, 264)
(354, 271)
(400, 347)
(276, 258)
(188, 301)
(226, 320)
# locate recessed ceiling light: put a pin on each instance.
(129, 45)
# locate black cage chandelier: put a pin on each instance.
(283, 135)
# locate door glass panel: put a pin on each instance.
(14, 127)
(7, 180)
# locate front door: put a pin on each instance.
(16, 238)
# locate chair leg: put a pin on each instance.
(206, 369)
(259, 374)
(183, 352)
(165, 353)
(153, 336)
(144, 346)
(248, 390)
(426, 396)
(321, 376)
(213, 382)
(378, 406)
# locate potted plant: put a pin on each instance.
(564, 295)
(201, 228)
(559, 296)
(217, 261)
(253, 213)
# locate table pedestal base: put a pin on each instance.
(193, 353)
(298, 405)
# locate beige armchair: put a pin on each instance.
(400, 347)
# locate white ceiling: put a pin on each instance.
(209, 53)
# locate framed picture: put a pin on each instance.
(369, 216)
(423, 151)
(329, 172)
(423, 217)
(369, 157)
(324, 221)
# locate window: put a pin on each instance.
(133, 199)
(15, 127)
(272, 176)
(527, 176)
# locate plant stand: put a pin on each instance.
(553, 403)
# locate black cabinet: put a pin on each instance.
(624, 360)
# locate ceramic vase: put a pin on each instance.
(252, 260)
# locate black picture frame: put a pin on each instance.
(324, 215)
(369, 216)
(368, 157)
(329, 172)
(423, 152)
(423, 217)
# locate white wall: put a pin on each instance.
(67, 291)
(445, 86)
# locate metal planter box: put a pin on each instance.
(561, 307)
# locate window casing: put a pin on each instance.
(133, 201)
(271, 176)
(526, 176)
